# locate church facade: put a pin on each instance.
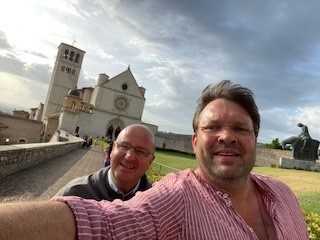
(99, 111)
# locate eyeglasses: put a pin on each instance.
(236, 130)
(139, 151)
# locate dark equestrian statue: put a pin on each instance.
(303, 146)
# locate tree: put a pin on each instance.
(275, 144)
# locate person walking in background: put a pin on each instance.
(221, 199)
(85, 141)
(107, 155)
(90, 141)
(130, 159)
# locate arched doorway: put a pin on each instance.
(113, 128)
(109, 133)
(22, 141)
(116, 133)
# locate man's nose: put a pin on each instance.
(227, 135)
(131, 152)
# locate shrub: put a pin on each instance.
(153, 174)
(275, 144)
(313, 224)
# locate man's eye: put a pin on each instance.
(124, 147)
(141, 152)
(240, 129)
(214, 128)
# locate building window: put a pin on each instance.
(71, 56)
(66, 54)
(124, 86)
(77, 58)
(62, 68)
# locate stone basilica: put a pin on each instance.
(100, 111)
(103, 110)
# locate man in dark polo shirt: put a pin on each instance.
(132, 155)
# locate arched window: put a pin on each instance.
(71, 56)
(66, 54)
(77, 58)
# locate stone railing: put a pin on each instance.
(14, 158)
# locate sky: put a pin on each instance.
(175, 48)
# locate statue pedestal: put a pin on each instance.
(299, 164)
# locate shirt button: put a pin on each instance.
(251, 230)
(225, 195)
(228, 204)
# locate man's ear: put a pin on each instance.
(194, 142)
(153, 157)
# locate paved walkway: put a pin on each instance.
(45, 179)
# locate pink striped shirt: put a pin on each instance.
(183, 206)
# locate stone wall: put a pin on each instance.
(14, 158)
(174, 143)
(268, 157)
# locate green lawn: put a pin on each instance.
(174, 161)
(305, 184)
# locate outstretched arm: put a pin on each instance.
(36, 220)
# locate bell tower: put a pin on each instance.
(64, 77)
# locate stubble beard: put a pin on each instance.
(231, 177)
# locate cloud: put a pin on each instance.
(175, 49)
(20, 93)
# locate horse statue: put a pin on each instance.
(303, 146)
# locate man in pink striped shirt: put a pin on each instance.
(221, 199)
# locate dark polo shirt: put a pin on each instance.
(96, 186)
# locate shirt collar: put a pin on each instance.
(113, 185)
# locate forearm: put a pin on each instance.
(36, 220)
